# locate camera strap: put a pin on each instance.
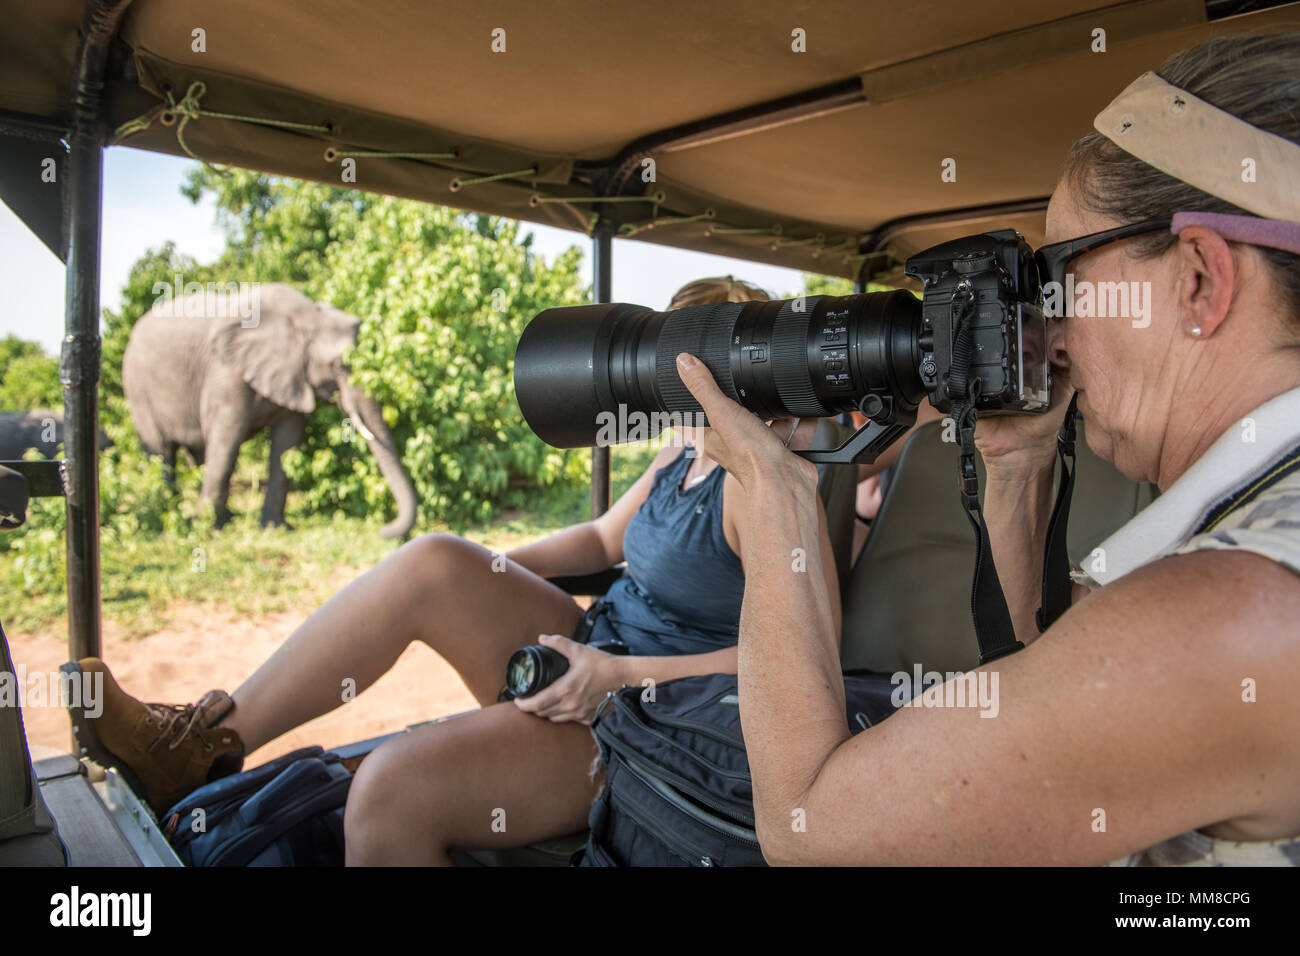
(1056, 559)
(992, 619)
(988, 605)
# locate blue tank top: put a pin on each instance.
(683, 586)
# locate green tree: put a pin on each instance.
(817, 284)
(28, 377)
(443, 297)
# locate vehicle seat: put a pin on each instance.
(28, 835)
(907, 600)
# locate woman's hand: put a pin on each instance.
(591, 675)
(736, 438)
(1021, 445)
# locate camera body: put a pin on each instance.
(1009, 329)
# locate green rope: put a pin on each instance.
(628, 229)
(785, 243)
(457, 184)
(655, 198)
(131, 127)
(332, 154)
(730, 231)
(835, 248)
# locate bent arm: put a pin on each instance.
(1123, 726)
(593, 545)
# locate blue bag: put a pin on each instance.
(288, 812)
(677, 786)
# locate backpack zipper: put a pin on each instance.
(722, 827)
(681, 783)
(669, 839)
(621, 705)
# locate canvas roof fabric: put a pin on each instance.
(830, 136)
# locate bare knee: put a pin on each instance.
(436, 559)
(390, 818)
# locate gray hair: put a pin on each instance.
(1255, 77)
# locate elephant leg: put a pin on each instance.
(221, 451)
(285, 434)
(169, 465)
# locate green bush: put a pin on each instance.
(443, 297)
(28, 377)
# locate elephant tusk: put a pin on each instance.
(360, 426)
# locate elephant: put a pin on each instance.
(41, 428)
(207, 371)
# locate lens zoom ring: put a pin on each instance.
(790, 361)
(704, 331)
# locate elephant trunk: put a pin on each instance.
(369, 421)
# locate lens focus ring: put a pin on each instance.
(704, 331)
(790, 361)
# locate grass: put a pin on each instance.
(146, 581)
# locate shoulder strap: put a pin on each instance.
(1056, 557)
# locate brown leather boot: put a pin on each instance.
(164, 751)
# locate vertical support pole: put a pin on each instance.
(79, 372)
(602, 281)
(79, 359)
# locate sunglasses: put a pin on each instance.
(1053, 259)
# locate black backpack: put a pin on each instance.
(677, 787)
(288, 812)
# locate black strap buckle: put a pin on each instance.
(582, 633)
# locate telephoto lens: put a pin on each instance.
(607, 374)
(532, 668)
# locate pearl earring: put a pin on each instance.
(1196, 331)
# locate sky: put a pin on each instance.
(143, 208)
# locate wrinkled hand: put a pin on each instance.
(1024, 443)
(736, 438)
(580, 689)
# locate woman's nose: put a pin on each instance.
(1056, 352)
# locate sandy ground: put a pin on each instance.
(205, 649)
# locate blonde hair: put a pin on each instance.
(717, 289)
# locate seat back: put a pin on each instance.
(907, 600)
(27, 833)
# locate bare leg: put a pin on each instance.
(439, 589)
(495, 778)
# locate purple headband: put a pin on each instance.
(1274, 233)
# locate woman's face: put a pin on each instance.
(1124, 366)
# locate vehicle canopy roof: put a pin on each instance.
(827, 160)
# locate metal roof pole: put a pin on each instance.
(602, 253)
(79, 360)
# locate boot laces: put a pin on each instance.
(176, 721)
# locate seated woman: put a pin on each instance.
(1156, 721)
(677, 608)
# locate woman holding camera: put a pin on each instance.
(1156, 722)
(511, 773)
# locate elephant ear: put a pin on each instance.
(264, 343)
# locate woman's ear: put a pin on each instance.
(1208, 279)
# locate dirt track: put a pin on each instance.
(206, 649)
